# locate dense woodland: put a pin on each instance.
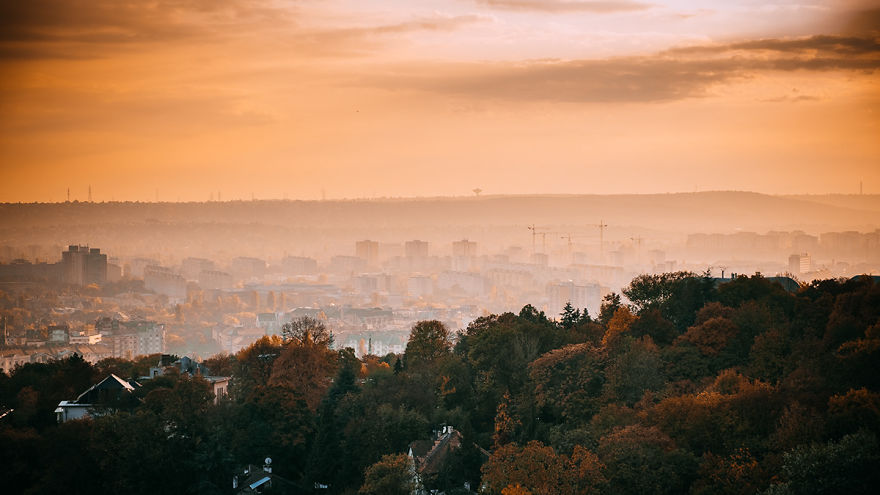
(680, 386)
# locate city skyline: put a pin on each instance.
(340, 99)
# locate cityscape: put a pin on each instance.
(444, 247)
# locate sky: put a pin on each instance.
(191, 100)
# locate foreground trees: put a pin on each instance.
(683, 388)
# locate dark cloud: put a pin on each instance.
(671, 75)
(115, 21)
(67, 29)
(826, 44)
(567, 6)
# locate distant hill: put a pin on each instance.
(867, 202)
(680, 212)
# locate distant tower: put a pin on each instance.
(68, 195)
(477, 191)
(90, 193)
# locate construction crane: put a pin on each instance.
(602, 226)
(543, 234)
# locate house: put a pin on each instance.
(428, 457)
(188, 366)
(106, 391)
(252, 479)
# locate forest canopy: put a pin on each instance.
(679, 385)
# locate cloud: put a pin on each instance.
(841, 46)
(567, 6)
(53, 29)
(102, 21)
(687, 72)
(72, 29)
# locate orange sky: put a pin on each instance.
(361, 98)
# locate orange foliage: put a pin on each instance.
(617, 325)
(538, 469)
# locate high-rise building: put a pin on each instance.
(163, 280)
(128, 339)
(464, 247)
(416, 249)
(800, 263)
(368, 251)
(83, 266)
(587, 296)
(190, 268)
(299, 265)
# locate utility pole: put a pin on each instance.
(68, 195)
(90, 193)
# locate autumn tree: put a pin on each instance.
(540, 470)
(739, 473)
(391, 475)
(254, 365)
(306, 367)
(618, 325)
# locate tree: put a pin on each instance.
(505, 424)
(391, 475)
(567, 383)
(644, 460)
(307, 330)
(617, 326)
(306, 368)
(570, 316)
(540, 470)
(428, 342)
(737, 474)
(610, 304)
(651, 323)
(848, 466)
(633, 371)
(254, 367)
(711, 336)
(677, 295)
(853, 410)
(222, 364)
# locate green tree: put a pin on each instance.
(428, 342)
(644, 460)
(848, 466)
(609, 306)
(570, 316)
